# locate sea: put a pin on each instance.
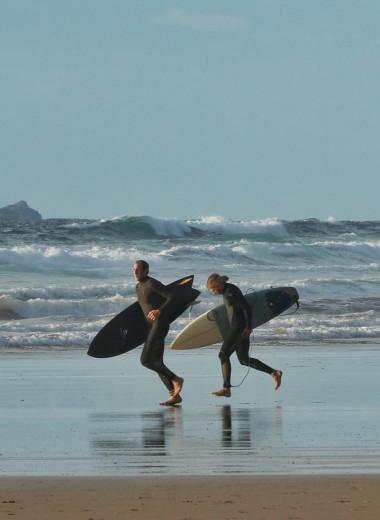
(62, 280)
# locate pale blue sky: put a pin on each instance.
(242, 108)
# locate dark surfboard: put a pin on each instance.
(127, 330)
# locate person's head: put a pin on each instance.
(216, 283)
(140, 269)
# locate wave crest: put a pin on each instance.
(150, 227)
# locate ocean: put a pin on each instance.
(61, 280)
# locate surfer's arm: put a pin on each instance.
(248, 313)
(236, 299)
(167, 294)
(247, 332)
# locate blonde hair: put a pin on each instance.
(215, 280)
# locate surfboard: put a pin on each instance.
(213, 326)
(127, 330)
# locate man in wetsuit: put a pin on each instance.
(155, 299)
(238, 338)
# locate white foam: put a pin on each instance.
(222, 225)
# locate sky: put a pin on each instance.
(247, 109)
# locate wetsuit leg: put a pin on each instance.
(168, 383)
(242, 352)
(152, 355)
(228, 348)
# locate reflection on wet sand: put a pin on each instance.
(242, 437)
(148, 432)
(241, 425)
(222, 437)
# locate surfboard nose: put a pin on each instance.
(281, 299)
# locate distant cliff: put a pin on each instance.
(19, 212)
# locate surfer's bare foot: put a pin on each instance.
(224, 392)
(277, 375)
(177, 385)
(175, 399)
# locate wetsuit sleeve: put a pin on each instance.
(241, 302)
(248, 313)
(166, 293)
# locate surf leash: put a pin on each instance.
(249, 367)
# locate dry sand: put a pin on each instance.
(192, 498)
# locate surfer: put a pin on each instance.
(238, 337)
(155, 299)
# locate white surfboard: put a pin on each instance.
(213, 326)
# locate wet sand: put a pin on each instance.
(64, 413)
(85, 438)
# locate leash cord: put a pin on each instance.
(249, 367)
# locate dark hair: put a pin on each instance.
(144, 264)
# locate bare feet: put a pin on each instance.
(177, 386)
(277, 375)
(224, 392)
(175, 399)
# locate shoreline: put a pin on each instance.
(193, 497)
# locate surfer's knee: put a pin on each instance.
(223, 357)
(243, 361)
(145, 361)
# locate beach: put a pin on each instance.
(200, 498)
(86, 438)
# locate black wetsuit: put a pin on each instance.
(152, 295)
(235, 342)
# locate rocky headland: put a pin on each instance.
(19, 212)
